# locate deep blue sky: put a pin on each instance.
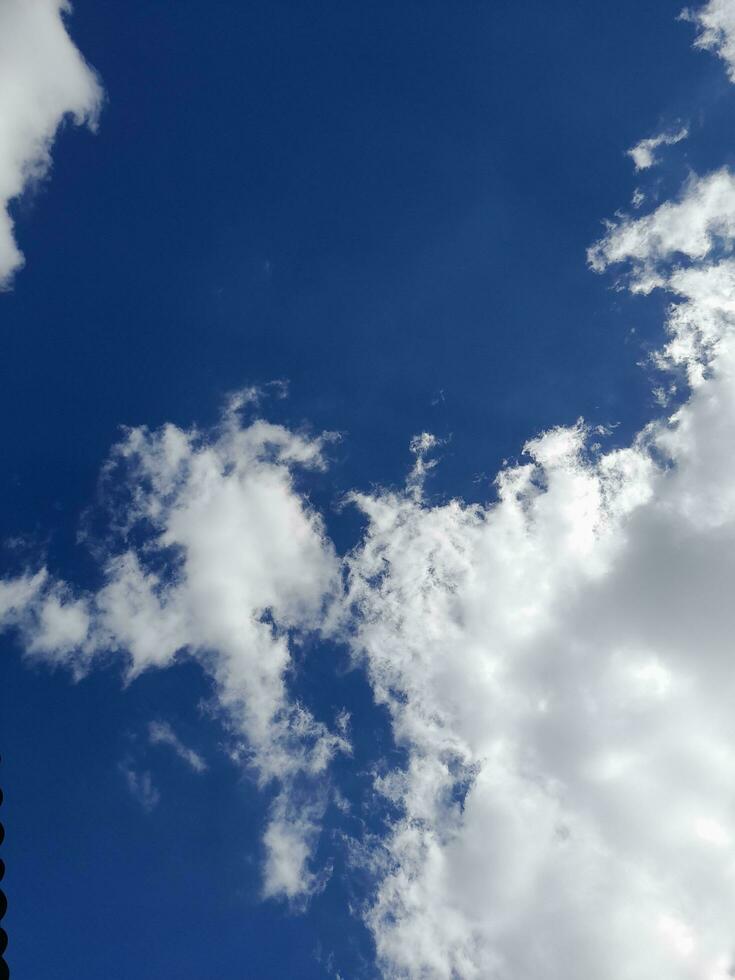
(387, 204)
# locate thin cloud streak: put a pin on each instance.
(161, 733)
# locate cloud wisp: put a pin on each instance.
(643, 154)
(43, 81)
(141, 786)
(685, 230)
(161, 733)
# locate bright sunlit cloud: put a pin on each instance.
(43, 81)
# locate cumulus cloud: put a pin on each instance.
(218, 555)
(43, 80)
(161, 733)
(643, 154)
(557, 665)
(716, 25)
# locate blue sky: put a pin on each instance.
(386, 209)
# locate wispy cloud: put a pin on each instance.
(140, 784)
(643, 154)
(161, 733)
(687, 228)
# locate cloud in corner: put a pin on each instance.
(43, 81)
(716, 24)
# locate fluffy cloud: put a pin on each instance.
(557, 666)
(716, 24)
(43, 80)
(688, 228)
(218, 555)
(643, 154)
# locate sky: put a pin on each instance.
(367, 507)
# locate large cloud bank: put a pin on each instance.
(43, 80)
(556, 663)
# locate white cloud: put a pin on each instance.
(140, 784)
(716, 24)
(643, 154)
(289, 841)
(232, 560)
(43, 80)
(557, 665)
(16, 595)
(161, 733)
(685, 229)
